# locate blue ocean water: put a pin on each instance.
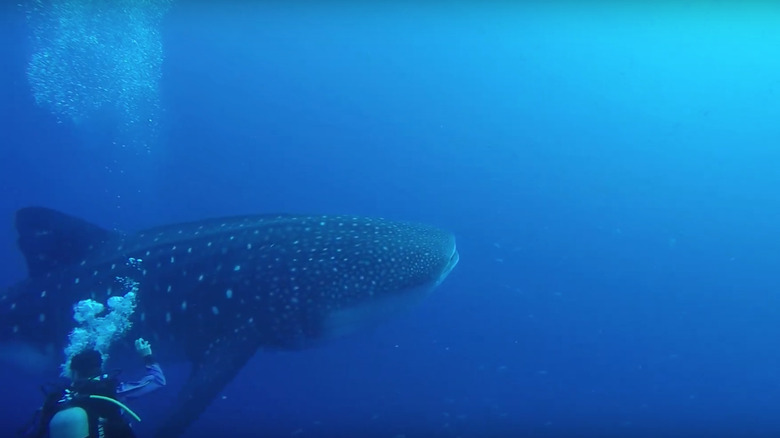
(609, 170)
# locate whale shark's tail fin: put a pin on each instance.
(50, 239)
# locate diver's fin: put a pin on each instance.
(50, 239)
(209, 376)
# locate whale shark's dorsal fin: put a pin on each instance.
(50, 239)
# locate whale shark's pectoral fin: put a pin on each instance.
(210, 373)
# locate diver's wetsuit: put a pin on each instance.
(153, 380)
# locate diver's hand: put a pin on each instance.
(142, 347)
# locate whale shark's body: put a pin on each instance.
(222, 288)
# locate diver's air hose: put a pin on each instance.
(118, 403)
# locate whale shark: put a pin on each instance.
(221, 289)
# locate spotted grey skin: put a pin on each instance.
(219, 289)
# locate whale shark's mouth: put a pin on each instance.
(454, 259)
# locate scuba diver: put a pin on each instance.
(91, 406)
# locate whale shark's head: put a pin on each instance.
(398, 256)
(383, 268)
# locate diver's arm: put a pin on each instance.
(153, 380)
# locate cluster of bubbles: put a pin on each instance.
(134, 263)
(98, 57)
(98, 329)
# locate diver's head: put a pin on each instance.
(85, 365)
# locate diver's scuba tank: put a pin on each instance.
(69, 423)
(85, 410)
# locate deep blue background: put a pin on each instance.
(610, 171)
